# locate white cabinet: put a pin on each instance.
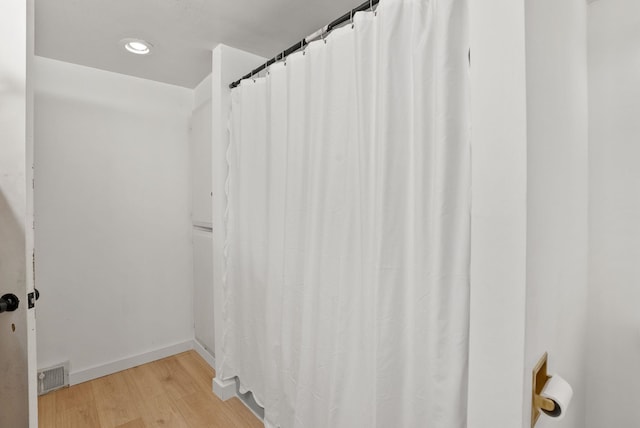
(201, 165)
(203, 282)
(201, 206)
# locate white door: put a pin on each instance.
(18, 396)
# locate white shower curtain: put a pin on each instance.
(347, 247)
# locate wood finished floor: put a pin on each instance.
(171, 393)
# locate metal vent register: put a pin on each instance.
(53, 378)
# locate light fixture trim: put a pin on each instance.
(137, 46)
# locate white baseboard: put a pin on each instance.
(204, 353)
(129, 362)
(227, 389)
(224, 389)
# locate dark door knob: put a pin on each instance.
(9, 303)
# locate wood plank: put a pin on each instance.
(174, 378)
(200, 410)
(245, 417)
(197, 368)
(133, 424)
(47, 408)
(147, 379)
(161, 411)
(173, 392)
(79, 395)
(81, 416)
(115, 400)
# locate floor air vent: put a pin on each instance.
(53, 378)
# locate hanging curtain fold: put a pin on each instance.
(347, 249)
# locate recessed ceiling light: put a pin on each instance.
(137, 46)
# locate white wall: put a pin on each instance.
(557, 203)
(529, 218)
(113, 229)
(200, 138)
(498, 218)
(614, 226)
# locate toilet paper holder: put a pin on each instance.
(539, 380)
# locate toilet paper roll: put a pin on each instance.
(558, 390)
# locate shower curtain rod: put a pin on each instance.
(368, 5)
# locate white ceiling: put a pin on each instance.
(183, 32)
